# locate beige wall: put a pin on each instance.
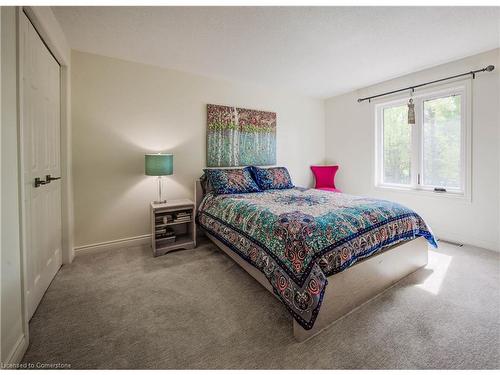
(13, 339)
(350, 128)
(121, 110)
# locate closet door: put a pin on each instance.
(40, 134)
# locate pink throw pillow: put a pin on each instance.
(324, 175)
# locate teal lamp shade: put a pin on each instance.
(159, 164)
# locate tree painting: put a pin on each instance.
(238, 137)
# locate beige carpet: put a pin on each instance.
(198, 309)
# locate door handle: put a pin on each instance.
(39, 182)
(49, 178)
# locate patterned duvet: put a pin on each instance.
(298, 237)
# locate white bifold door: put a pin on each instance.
(40, 134)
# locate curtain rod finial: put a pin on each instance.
(360, 100)
(489, 68)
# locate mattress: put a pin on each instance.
(298, 237)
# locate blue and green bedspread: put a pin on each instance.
(298, 237)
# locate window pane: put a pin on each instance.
(441, 142)
(397, 145)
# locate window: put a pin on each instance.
(441, 142)
(397, 145)
(433, 154)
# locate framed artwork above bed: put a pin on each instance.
(240, 137)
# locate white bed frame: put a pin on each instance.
(351, 288)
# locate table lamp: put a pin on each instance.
(159, 165)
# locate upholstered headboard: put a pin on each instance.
(198, 193)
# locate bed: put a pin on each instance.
(322, 254)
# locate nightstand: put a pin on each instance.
(173, 226)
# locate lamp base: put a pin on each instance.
(160, 202)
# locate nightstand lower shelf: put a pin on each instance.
(183, 242)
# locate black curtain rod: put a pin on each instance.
(489, 68)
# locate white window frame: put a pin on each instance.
(462, 88)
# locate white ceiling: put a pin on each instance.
(318, 51)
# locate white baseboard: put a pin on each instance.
(145, 239)
(17, 353)
(115, 244)
(466, 240)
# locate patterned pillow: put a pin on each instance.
(231, 181)
(272, 178)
